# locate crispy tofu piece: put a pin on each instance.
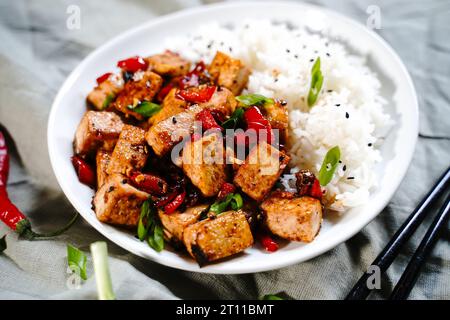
(102, 160)
(175, 223)
(261, 170)
(162, 136)
(143, 87)
(219, 237)
(105, 93)
(97, 129)
(291, 217)
(277, 115)
(168, 63)
(228, 72)
(130, 152)
(222, 100)
(171, 106)
(204, 163)
(118, 202)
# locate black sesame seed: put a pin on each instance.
(311, 60)
(315, 51)
(340, 161)
(337, 105)
(350, 178)
(369, 144)
(328, 54)
(174, 120)
(275, 80)
(283, 102)
(347, 115)
(344, 168)
(304, 46)
(329, 91)
(231, 49)
(296, 56)
(287, 50)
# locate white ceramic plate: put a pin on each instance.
(69, 106)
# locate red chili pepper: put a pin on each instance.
(197, 94)
(256, 121)
(149, 183)
(268, 243)
(172, 206)
(206, 118)
(84, 171)
(164, 91)
(161, 202)
(133, 64)
(103, 78)
(9, 213)
(316, 190)
(225, 190)
(191, 79)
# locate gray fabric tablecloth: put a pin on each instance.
(37, 52)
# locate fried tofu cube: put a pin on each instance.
(222, 100)
(105, 93)
(260, 171)
(292, 217)
(175, 223)
(162, 136)
(168, 63)
(218, 237)
(102, 160)
(97, 129)
(228, 72)
(143, 87)
(130, 152)
(277, 115)
(204, 163)
(171, 106)
(118, 203)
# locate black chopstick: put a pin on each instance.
(411, 273)
(360, 291)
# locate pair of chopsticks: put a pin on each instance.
(409, 277)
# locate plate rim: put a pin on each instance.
(219, 269)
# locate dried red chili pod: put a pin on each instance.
(85, 172)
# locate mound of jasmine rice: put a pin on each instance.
(348, 113)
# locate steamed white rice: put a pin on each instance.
(348, 113)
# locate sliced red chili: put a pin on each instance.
(197, 94)
(133, 64)
(206, 118)
(172, 206)
(256, 121)
(192, 78)
(316, 190)
(225, 190)
(268, 243)
(4, 162)
(103, 78)
(164, 91)
(85, 172)
(149, 183)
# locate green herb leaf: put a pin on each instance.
(329, 165)
(143, 229)
(109, 98)
(99, 252)
(77, 261)
(234, 120)
(233, 199)
(271, 297)
(156, 239)
(253, 99)
(316, 83)
(3, 244)
(146, 108)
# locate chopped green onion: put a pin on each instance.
(77, 261)
(149, 227)
(2, 244)
(316, 83)
(253, 99)
(271, 297)
(109, 98)
(233, 199)
(99, 253)
(329, 165)
(146, 108)
(235, 119)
